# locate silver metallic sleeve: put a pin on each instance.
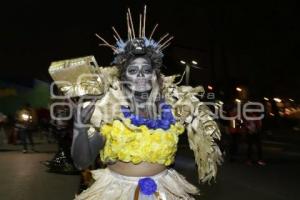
(85, 147)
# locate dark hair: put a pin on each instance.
(156, 59)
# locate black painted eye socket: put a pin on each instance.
(143, 69)
(148, 71)
(133, 69)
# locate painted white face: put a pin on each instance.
(140, 73)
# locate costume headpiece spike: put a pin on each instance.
(131, 23)
(116, 32)
(168, 40)
(106, 43)
(116, 38)
(165, 46)
(128, 27)
(162, 38)
(137, 43)
(140, 26)
(156, 25)
(144, 24)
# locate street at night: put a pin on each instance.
(24, 177)
(149, 100)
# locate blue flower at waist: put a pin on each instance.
(147, 186)
(164, 121)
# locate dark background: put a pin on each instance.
(251, 43)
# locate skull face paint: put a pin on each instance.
(139, 74)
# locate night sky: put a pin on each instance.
(252, 43)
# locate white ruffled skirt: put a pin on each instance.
(109, 185)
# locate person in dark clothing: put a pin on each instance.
(25, 121)
(236, 128)
(253, 138)
(61, 129)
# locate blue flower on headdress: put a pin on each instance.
(147, 186)
(120, 46)
(150, 42)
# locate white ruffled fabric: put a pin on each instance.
(109, 185)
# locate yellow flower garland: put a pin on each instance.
(129, 143)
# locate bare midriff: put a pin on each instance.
(142, 169)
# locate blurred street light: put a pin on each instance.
(239, 89)
(265, 98)
(25, 117)
(238, 100)
(188, 66)
(292, 100)
(277, 100)
(210, 87)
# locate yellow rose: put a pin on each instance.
(124, 156)
(169, 161)
(105, 130)
(140, 144)
(156, 137)
(136, 159)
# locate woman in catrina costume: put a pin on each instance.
(136, 123)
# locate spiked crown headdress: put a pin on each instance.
(137, 44)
